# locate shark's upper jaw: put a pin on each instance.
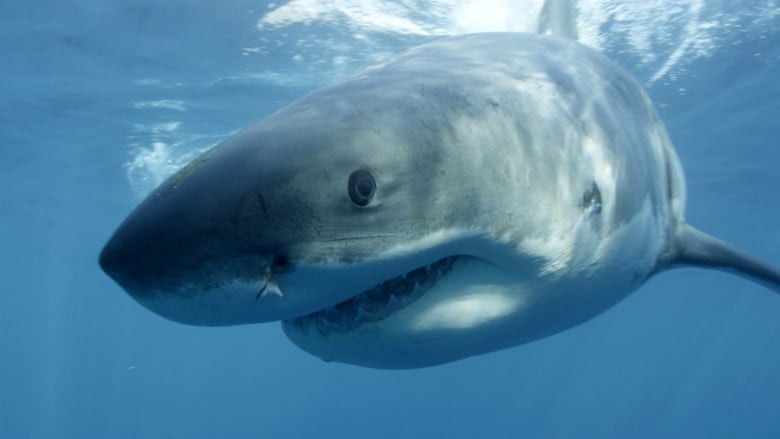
(375, 303)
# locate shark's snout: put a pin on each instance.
(184, 254)
(148, 251)
(189, 275)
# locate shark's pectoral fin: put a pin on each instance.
(694, 247)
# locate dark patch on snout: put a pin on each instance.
(280, 262)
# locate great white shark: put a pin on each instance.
(468, 195)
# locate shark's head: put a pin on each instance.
(333, 197)
(331, 215)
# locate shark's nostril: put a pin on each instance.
(280, 261)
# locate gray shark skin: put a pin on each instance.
(469, 195)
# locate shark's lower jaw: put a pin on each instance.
(374, 304)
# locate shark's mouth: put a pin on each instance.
(376, 303)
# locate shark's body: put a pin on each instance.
(472, 194)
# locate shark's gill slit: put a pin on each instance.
(376, 303)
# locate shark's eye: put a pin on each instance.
(361, 187)
(591, 200)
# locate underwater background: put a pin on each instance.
(102, 99)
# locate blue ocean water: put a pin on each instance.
(100, 100)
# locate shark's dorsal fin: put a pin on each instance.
(559, 19)
(693, 247)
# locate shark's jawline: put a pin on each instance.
(376, 303)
